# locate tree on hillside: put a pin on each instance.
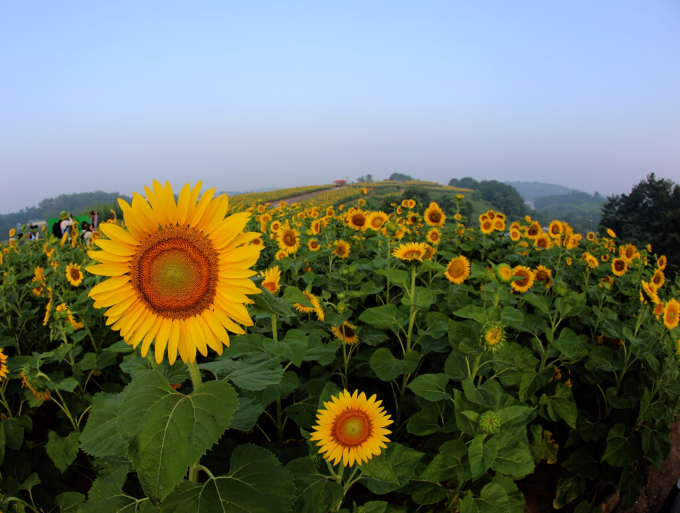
(503, 197)
(369, 177)
(650, 214)
(420, 195)
(400, 177)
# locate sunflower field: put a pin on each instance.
(316, 357)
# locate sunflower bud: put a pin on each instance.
(493, 336)
(490, 422)
(36, 382)
(560, 288)
(341, 296)
(504, 273)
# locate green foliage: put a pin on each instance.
(503, 197)
(583, 365)
(650, 214)
(400, 177)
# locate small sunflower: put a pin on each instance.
(658, 279)
(555, 229)
(275, 226)
(434, 236)
(346, 333)
(351, 429)
(590, 236)
(314, 245)
(534, 230)
(315, 309)
(504, 272)
(651, 292)
(429, 252)
(434, 216)
(458, 270)
(671, 314)
(605, 257)
(486, 227)
(12, 232)
(411, 203)
(376, 220)
(74, 274)
(619, 266)
(629, 252)
(280, 254)
(493, 336)
(363, 190)
(661, 262)
(543, 275)
(271, 279)
(543, 241)
(526, 278)
(342, 248)
(410, 251)
(611, 233)
(515, 235)
(289, 239)
(357, 220)
(499, 224)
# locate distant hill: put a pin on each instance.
(580, 209)
(77, 204)
(532, 190)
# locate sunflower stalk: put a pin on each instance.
(196, 381)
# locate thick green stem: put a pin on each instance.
(196, 380)
(195, 374)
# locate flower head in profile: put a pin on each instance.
(611, 233)
(271, 279)
(351, 429)
(178, 275)
(315, 308)
(4, 371)
(410, 251)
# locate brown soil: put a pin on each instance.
(539, 488)
(658, 483)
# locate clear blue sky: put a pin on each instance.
(110, 95)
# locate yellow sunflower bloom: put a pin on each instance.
(38, 274)
(671, 314)
(434, 236)
(534, 230)
(515, 235)
(74, 274)
(429, 252)
(410, 251)
(458, 270)
(555, 229)
(658, 279)
(526, 280)
(619, 266)
(271, 279)
(346, 333)
(661, 262)
(341, 248)
(315, 309)
(12, 232)
(543, 275)
(357, 220)
(178, 274)
(351, 429)
(611, 233)
(487, 226)
(434, 216)
(543, 241)
(314, 245)
(376, 220)
(289, 239)
(281, 254)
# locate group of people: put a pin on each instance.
(66, 221)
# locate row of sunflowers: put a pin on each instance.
(324, 356)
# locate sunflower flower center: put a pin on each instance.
(352, 427)
(175, 272)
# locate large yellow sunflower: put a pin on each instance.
(555, 229)
(289, 239)
(534, 230)
(341, 248)
(434, 216)
(629, 252)
(376, 220)
(526, 280)
(410, 251)
(178, 274)
(74, 274)
(487, 226)
(271, 279)
(351, 429)
(671, 314)
(458, 270)
(346, 332)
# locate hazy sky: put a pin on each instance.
(244, 95)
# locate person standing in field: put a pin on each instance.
(65, 221)
(94, 220)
